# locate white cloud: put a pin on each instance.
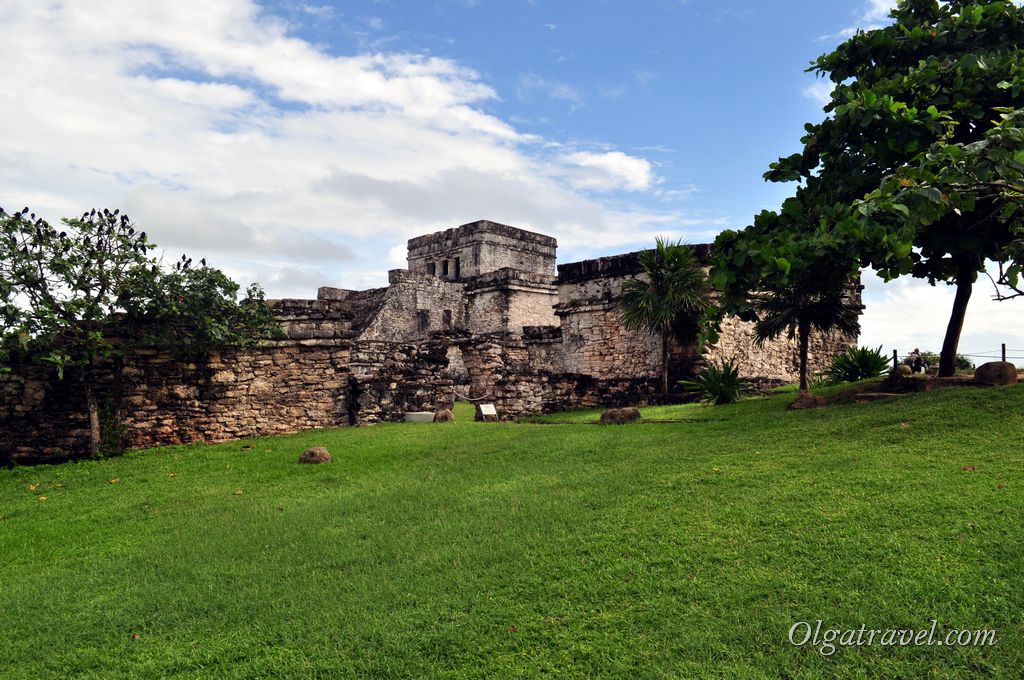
(644, 77)
(819, 92)
(608, 171)
(874, 14)
(232, 139)
(531, 84)
(908, 313)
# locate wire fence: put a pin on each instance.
(1001, 354)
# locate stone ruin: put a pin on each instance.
(482, 311)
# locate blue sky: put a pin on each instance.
(301, 144)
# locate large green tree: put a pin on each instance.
(938, 73)
(670, 294)
(85, 296)
(951, 179)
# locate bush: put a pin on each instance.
(857, 363)
(718, 384)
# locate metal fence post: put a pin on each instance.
(895, 358)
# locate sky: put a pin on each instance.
(302, 143)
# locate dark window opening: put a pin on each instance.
(444, 268)
(446, 319)
(458, 268)
(432, 269)
(423, 320)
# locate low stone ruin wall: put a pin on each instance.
(504, 369)
(284, 386)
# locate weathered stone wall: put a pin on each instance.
(318, 375)
(507, 300)
(414, 306)
(482, 247)
(502, 369)
(778, 360)
(286, 386)
(596, 344)
(389, 379)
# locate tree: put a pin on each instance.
(937, 74)
(91, 293)
(787, 277)
(799, 310)
(671, 291)
(952, 178)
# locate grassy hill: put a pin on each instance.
(682, 548)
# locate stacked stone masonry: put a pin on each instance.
(495, 323)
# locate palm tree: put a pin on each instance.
(797, 311)
(672, 289)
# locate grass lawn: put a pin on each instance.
(682, 548)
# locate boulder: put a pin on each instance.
(620, 416)
(444, 416)
(808, 400)
(904, 371)
(996, 373)
(315, 456)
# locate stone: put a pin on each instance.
(996, 373)
(904, 371)
(419, 416)
(444, 416)
(620, 416)
(808, 400)
(316, 456)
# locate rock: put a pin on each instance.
(996, 373)
(905, 371)
(315, 456)
(444, 416)
(620, 416)
(808, 400)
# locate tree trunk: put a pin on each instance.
(964, 287)
(664, 364)
(804, 334)
(93, 408)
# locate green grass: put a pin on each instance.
(664, 549)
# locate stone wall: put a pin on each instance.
(481, 247)
(414, 306)
(507, 300)
(286, 386)
(390, 379)
(596, 344)
(777, 361)
(502, 369)
(305, 381)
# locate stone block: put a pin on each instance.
(996, 373)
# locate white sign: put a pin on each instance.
(488, 410)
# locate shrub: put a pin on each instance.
(857, 363)
(718, 384)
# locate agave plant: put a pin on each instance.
(857, 363)
(718, 384)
